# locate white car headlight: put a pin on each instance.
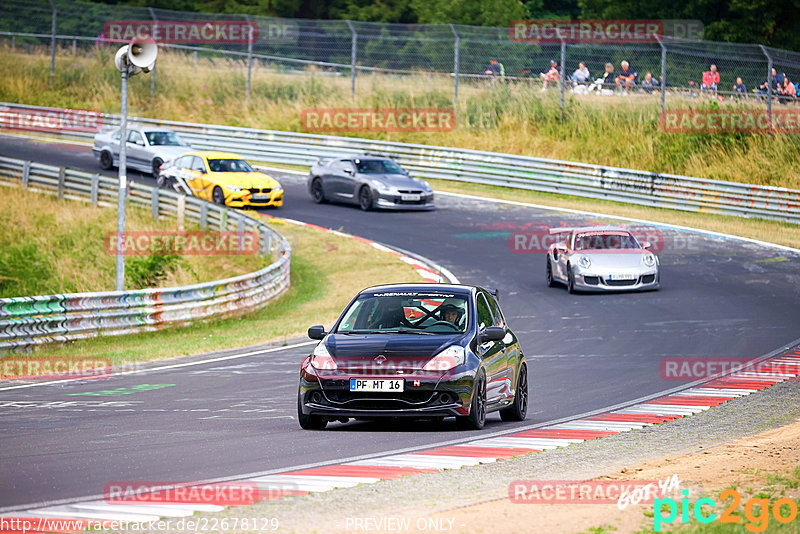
(447, 359)
(649, 260)
(234, 187)
(585, 262)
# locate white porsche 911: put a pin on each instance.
(601, 259)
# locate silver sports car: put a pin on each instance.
(601, 259)
(369, 181)
(147, 148)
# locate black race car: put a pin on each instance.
(415, 350)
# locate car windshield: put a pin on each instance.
(378, 166)
(164, 139)
(229, 165)
(605, 241)
(406, 312)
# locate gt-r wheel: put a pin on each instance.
(106, 161)
(570, 280)
(309, 422)
(365, 198)
(317, 192)
(550, 281)
(161, 181)
(218, 196)
(157, 167)
(518, 410)
(477, 409)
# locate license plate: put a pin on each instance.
(410, 197)
(260, 197)
(368, 384)
(622, 277)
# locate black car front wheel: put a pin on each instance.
(310, 421)
(518, 410)
(477, 410)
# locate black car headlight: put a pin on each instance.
(447, 359)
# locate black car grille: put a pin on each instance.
(387, 401)
(621, 283)
(648, 279)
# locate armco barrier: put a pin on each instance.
(493, 168)
(26, 321)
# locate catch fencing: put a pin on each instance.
(26, 321)
(459, 53)
(492, 168)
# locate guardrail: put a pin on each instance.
(26, 321)
(493, 168)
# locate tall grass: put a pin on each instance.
(506, 117)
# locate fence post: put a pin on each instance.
(26, 173)
(203, 215)
(13, 43)
(95, 188)
(194, 54)
(563, 73)
(153, 72)
(53, 43)
(663, 76)
(61, 177)
(74, 47)
(456, 61)
(353, 46)
(769, 85)
(181, 215)
(154, 199)
(249, 62)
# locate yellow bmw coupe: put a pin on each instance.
(222, 178)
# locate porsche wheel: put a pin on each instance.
(317, 192)
(550, 280)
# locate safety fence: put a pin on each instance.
(458, 52)
(26, 321)
(493, 168)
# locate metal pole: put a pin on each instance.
(352, 59)
(456, 61)
(153, 71)
(53, 44)
(769, 85)
(123, 185)
(563, 72)
(249, 62)
(663, 76)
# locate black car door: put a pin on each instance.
(492, 353)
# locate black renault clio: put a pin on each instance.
(415, 350)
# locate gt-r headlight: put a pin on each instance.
(649, 260)
(321, 358)
(380, 187)
(446, 359)
(234, 187)
(584, 262)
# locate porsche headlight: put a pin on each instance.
(585, 262)
(234, 187)
(649, 260)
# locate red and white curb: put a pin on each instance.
(345, 475)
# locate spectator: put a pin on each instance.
(666, 84)
(649, 85)
(495, 68)
(777, 82)
(691, 89)
(710, 79)
(627, 76)
(787, 91)
(553, 74)
(604, 84)
(581, 74)
(739, 88)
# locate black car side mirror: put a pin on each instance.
(493, 333)
(317, 332)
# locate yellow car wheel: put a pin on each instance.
(218, 196)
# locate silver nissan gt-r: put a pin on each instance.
(601, 259)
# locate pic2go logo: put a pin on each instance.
(756, 511)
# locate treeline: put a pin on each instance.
(770, 22)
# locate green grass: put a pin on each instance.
(505, 117)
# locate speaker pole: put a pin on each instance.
(123, 183)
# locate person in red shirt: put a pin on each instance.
(710, 79)
(787, 91)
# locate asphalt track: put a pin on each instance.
(719, 297)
